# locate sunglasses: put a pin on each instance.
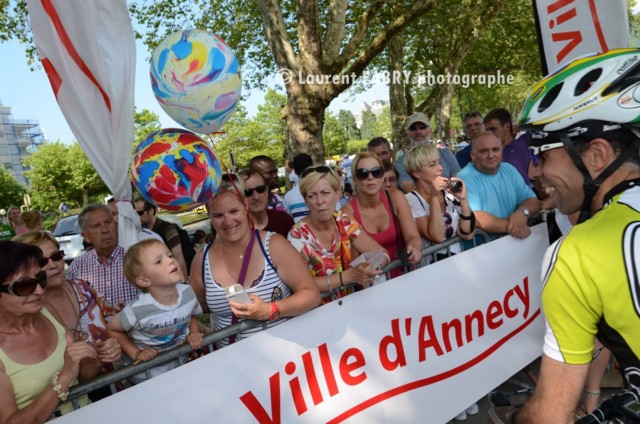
(248, 192)
(416, 127)
(25, 286)
(55, 256)
(363, 173)
(140, 213)
(535, 151)
(390, 180)
(323, 169)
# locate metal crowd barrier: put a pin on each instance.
(181, 352)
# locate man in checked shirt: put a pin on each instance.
(102, 266)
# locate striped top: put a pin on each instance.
(270, 288)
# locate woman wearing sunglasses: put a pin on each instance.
(439, 206)
(325, 238)
(81, 309)
(256, 197)
(384, 215)
(39, 360)
(263, 263)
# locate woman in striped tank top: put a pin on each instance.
(264, 263)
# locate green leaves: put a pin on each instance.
(12, 190)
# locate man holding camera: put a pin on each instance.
(499, 196)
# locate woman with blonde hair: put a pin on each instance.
(440, 206)
(328, 240)
(15, 220)
(264, 264)
(384, 215)
(32, 219)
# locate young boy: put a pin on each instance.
(165, 313)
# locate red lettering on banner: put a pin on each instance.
(395, 341)
(432, 342)
(327, 369)
(347, 368)
(573, 38)
(493, 313)
(391, 351)
(468, 320)
(256, 408)
(296, 390)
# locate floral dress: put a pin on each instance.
(320, 261)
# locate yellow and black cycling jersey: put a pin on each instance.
(592, 287)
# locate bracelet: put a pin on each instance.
(592, 395)
(467, 217)
(329, 283)
(57, 388)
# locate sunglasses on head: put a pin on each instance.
(55, 256)
(363, 173)
(535, 151)
(419, 126)
(248, 192)
(323, 169)
(25, 286)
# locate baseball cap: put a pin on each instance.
(417, 117)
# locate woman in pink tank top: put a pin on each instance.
(385, 216)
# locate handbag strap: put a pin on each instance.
(246, 259)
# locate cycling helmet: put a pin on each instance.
(593, 96)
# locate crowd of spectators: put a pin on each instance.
(281, 251)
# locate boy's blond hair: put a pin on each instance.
(132, 265)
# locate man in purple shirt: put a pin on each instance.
(514, 150)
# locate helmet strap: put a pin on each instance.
(591, 186)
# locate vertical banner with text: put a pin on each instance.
(568, 29)
(419, 348)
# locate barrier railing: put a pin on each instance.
(181, 352)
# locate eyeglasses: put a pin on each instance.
(55, 256)
(420, 126)
(140, 213)
(535, 151)
(473, 125)
(363, 173)
(390, 180)
(248, 192)
(26, 286)
(323, 169)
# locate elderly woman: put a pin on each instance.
(439, 206)
(256, 194)
(384, 215)
(78, 305)
(263, 263)
(325, 238)
(39, 360)
(390, 178)
(15, 220)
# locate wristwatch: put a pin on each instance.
(525, 211)
(275, 312)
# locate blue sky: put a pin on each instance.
(30, 96)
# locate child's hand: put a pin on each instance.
(194, 340)
(145, 355)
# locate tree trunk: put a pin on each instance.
(397, 101)
(443, 112)
(85, 198)
(304, 115)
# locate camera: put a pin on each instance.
(454, 186)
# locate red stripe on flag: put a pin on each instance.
(597, 26)
(54, 78)
(73, 53)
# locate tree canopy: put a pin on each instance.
(12, 190)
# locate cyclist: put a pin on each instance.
(585, 126)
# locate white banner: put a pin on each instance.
(419, 348)
(568, 29)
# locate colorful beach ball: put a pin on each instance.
(175, 170)
(195, 77)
